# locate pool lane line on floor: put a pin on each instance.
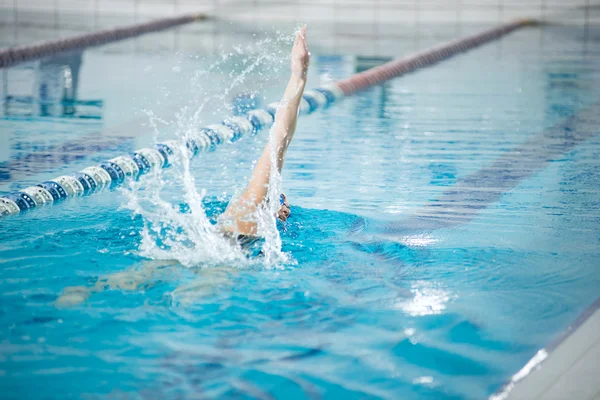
(475, 192)
(20, 54)
(115, 171)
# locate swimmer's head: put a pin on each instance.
(284, 211)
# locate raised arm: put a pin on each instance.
(238, 217)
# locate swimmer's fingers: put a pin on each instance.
(300, 40)
(297, 39)
(303, 37)
(300, 54)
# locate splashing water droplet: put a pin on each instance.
(190, 237)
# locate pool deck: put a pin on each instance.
(571, 368)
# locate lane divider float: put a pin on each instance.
(117, 170)
(15, 55)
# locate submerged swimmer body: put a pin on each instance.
(240, 221)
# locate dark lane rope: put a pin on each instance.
(427, 57)
(20, 54)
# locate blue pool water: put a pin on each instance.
(445, 226)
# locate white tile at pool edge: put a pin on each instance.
(579, 382)
(564, 357)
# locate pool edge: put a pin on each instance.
(565, 367)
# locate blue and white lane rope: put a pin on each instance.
(116, 171)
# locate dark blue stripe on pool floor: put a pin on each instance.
(463, 201)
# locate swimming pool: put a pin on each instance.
(444, 228)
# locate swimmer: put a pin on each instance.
(239, 219)
(146, 275)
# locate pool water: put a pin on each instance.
(445, 226)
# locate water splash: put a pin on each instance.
(266, 215)
(170, 234)
(190, 237)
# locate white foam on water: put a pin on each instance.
(266, 216)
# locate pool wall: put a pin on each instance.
(371, 11)
(369, 27)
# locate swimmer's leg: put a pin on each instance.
(205, 284)
(148, 274)
(145, 275)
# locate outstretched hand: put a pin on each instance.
(300, 55)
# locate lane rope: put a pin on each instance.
(115, 171)
(20, 54)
